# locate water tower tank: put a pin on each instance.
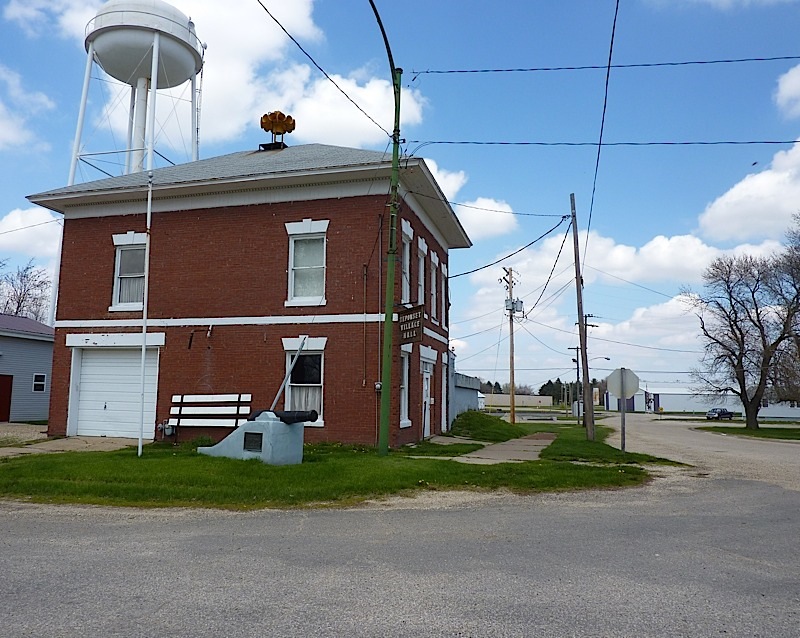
(122, 37)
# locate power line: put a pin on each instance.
(622, 343)
(597, 67)
(552, 270)
(650, 143)
(14, 230)
(602, 129)
(566, 354)
(494, 345)
(321, 70)
(474, 334)
(489, 210)
(663, 294)
(494, 263)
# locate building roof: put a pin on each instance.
(25, 328)
(292, 159)
(292, 166)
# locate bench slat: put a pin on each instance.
(211, 423)
(211, 398)
(210, 409)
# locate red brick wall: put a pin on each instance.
(232, 262)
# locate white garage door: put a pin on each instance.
(110, 396)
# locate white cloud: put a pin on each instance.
(17, 106)
(38, 17)
(451, 182)
(676, 261)
(787, 95)
(33, 232)
(486, 217)
(247, 74)
(324, 115)
(759, 206)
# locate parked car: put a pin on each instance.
(719, 414)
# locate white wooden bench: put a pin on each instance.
(208, 410)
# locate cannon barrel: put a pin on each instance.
(288, 417)
(296, 416)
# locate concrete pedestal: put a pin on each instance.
(266, 438)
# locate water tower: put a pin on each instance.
(149, 45)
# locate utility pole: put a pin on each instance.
(512, 305)
(391, 253)
(589, 413)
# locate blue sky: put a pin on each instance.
(660, 213)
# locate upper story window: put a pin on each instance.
(444, 295)
(129, 267)
(307, 259)
(405, 262)
(422, 252)
(434, 285)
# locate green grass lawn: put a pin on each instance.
(331, 474)
(786, 433)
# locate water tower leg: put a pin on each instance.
(129, 141)
(76, 145)
(140, 119)
(151, 115)
(195, 141)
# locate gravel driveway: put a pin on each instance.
(711, 454)
(21, 432)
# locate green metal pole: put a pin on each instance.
(391, 259)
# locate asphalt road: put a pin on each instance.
(697, 552)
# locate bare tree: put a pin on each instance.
(785, 372)
(747, 314)
(25, 293)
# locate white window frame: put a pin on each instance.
(306, 229)
(312, 346)
(405, 262)
(405, 368)
(39, 382)
(444, 296)
(125, 241)
(422, 253)
(434, 286)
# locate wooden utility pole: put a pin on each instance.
(509, 281)
(588, 415)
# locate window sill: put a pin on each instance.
(405, 423)
(126, 307)
(305, 302)
(319, 423)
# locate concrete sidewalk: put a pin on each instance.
(519, 450)
(33, 440)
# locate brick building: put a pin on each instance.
(250, 254)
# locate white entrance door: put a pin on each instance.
(110, 393)
(426, 399)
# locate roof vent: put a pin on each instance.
(278, 124)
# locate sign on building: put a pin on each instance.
(410, 321)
